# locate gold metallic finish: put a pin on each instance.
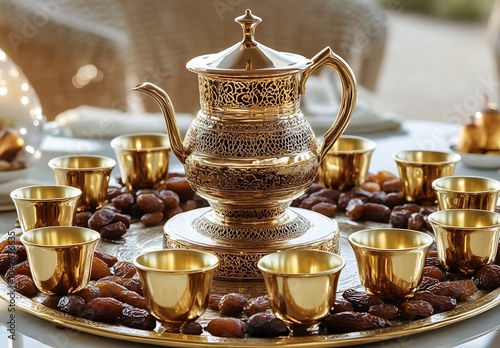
(488, 121)
(466, 239)
(250, 151)
(467, 192)
(346, 165)
(176, 284)
(418, 169)
(60, 257)
(238, 258)
(88, 173)
(45, 205)
(301, 284)
(139, 239)
(143, 159)
(390, 260)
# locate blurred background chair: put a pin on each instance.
(91, 52)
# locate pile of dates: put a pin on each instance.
(115, 296)
(149, 206)
(380, 199)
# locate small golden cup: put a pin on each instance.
(346, 165)
(60, 257)
(467, 192)
(143, 159)
(466, 239)
(88, 173)
(301, 284)
(390, 260)
(176, 284)
(418, 169)
(45, 205)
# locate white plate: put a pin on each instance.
(476, 160)
(11, 175)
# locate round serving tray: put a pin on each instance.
(139, 239)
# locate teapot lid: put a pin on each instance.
(248, 57)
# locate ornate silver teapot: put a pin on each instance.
(250, 151)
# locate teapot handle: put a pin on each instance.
(349, 95)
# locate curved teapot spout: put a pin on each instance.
(167, 108)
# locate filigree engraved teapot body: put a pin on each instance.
(250, 151)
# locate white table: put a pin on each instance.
(480, 331)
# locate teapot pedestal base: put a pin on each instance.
(238, 260)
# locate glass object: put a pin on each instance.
(21, 121)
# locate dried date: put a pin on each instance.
(487, 278)
(459, 289)
(71, 304)
(232, 304)
(103, 309)
(99, 269)
(192, 328)
(414, 309)
(110, 260)
(124, 269)
(266, 325)
(256, 305)
(376, 212)
(439, 302)
(361, 301)
(226, 327)
(352, 321)
(113, 231)
(101, 218)
(149, 203)
(137, 318)
(25, 285)
(152, 219)
(341, 305)
(324, 208)
(433, 272)
(384, 310)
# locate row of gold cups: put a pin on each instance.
(466, 227)
(59, 253)
(290, 276)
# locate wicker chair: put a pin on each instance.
(133, 41)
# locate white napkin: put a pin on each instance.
(7, 187)
(321, 102)
(320, 105)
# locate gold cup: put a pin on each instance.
(301, 285)
(176, 284)
(467, 192)
(143, 159)
(45, 205)
(466, 239)
(390, 260)
(88, 173)
(60, 257)
(346, 165)
(418, 169)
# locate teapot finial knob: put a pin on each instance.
(248, 22)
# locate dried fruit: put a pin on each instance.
(71, 304)
(439, 302)
(137, 318)
(488, 277)
(352, 321)
(232, 304)
(226, 327)
(459, 289)
(415, 309)
(266, 325)
(361, 301)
